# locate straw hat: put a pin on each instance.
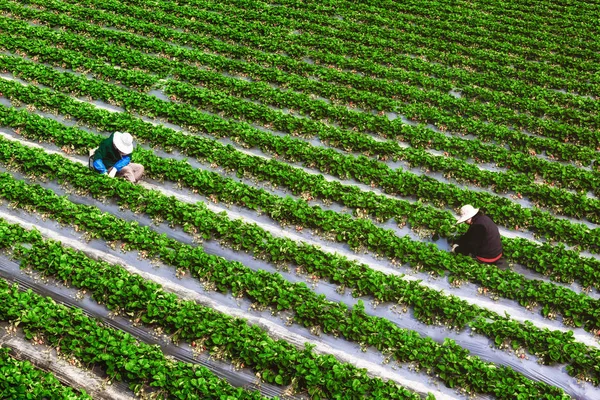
(123, 142)
(466, 212)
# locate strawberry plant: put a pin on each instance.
(178, 257)
(493, 104)
(20, 379)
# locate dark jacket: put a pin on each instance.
(482, 239)
(108, 155)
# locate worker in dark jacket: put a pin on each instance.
(482, 239)
(113, 157)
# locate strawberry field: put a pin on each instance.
(304, 165)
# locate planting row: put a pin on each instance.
(445, 107)
(299, 43)
(484, 78)
(462, 78)
(413, 31)
(276, 361)
(439, 82)
(416, 136)
(121, 356)
(42, 99)
(522, 141)
(430, 306)
(531, 40)
(22, 380)
(454, 365)
(446, 360)
(563, 265)
(551, 15)
(459, 170)
(395, 182)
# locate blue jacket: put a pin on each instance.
(107, 156)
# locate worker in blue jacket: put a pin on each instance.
(113, 157)
(482, 239)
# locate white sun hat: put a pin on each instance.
(466, 212)
(123, 142)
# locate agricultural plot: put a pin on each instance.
(304, 163)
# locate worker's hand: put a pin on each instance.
(113, 172)
(454, 246)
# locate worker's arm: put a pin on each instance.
(471, 241)
(99, 166)
(122, 162)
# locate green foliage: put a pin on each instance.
(22, 380)
(367, 61)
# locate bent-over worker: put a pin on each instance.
(113, 157)
(482, 239)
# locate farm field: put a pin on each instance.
(304, 165)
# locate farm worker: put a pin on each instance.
(482, 239)
(113, 157)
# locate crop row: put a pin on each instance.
(213, 100)
(298, 43)
(446, 360)
(444, 107)
(563, 265)
(408, 29)
(459, 170)
(276, 361)
(483, 78)
(563, 175)
(372, 20)
(430, 306)
(157, 167)
(396, 182)
(276, 144)
(444, 85)
(567, 20)
(493, 113)
(382, 208)
(286, 211)
(518, 140)
(462, 77)
(408, 18)
(23, 380)
(118, 353)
